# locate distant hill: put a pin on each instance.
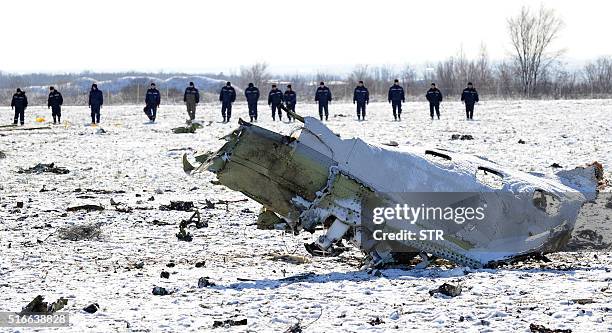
(83, 84)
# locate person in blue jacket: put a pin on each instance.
(54, 102)
(19, 103)
(275, 98)
(252, 96)
(396, 97)
(361, 96)
(96, 100)
(434, 96)
(324, 96)
(290, 98)
(227, 96)
(469, 96)
(152, 101)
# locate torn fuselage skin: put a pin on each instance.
(313, 177)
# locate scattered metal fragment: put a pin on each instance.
(204, 282)
(81, 232)
(229, 322)
(92, 308)
(38, 306)
(42, 168)
(535, 328)
(462, 137)
(88, 207)
(376, 321)
(185, 206)
(160, 291)
(447, 289)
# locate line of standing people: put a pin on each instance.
(227, 96)
(323, 96)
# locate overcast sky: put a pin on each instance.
(292, 36)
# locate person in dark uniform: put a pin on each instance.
(252, 96)
(227, 96)
(434, 96)
(469, 97)
(96, 100)
(152, 101)
(275, 98)
(191, 99)
(361, 96)
(19, 103)
(54, 103)
(290, 98)
(396, 98)
(324, 96)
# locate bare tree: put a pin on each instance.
(532, 35)
(598, 76)
(256, 74)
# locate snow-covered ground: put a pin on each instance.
(329, 294)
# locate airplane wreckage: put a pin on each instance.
(313, 178)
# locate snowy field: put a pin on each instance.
(139, 164)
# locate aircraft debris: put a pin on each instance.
(185, 206)
(160, 291)
(229, 322)
(462, 137)
(42, 168)
(89, 231)
(447, 289)
(92, 308)
(38, 306)
(204, 282)
(535, 328)
(87, 207)
(312, 179)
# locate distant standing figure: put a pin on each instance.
(324, 97)
(434, 96)
(96, 100)
(252, 96)
(469, 96)
(191, 99)
(290, 98)
(227, 96)
(55, 102)
(152, 101)
(361, 96)
(275, 98)
(19, 103)
(396, 97)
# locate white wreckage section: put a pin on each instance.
(314, 178)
